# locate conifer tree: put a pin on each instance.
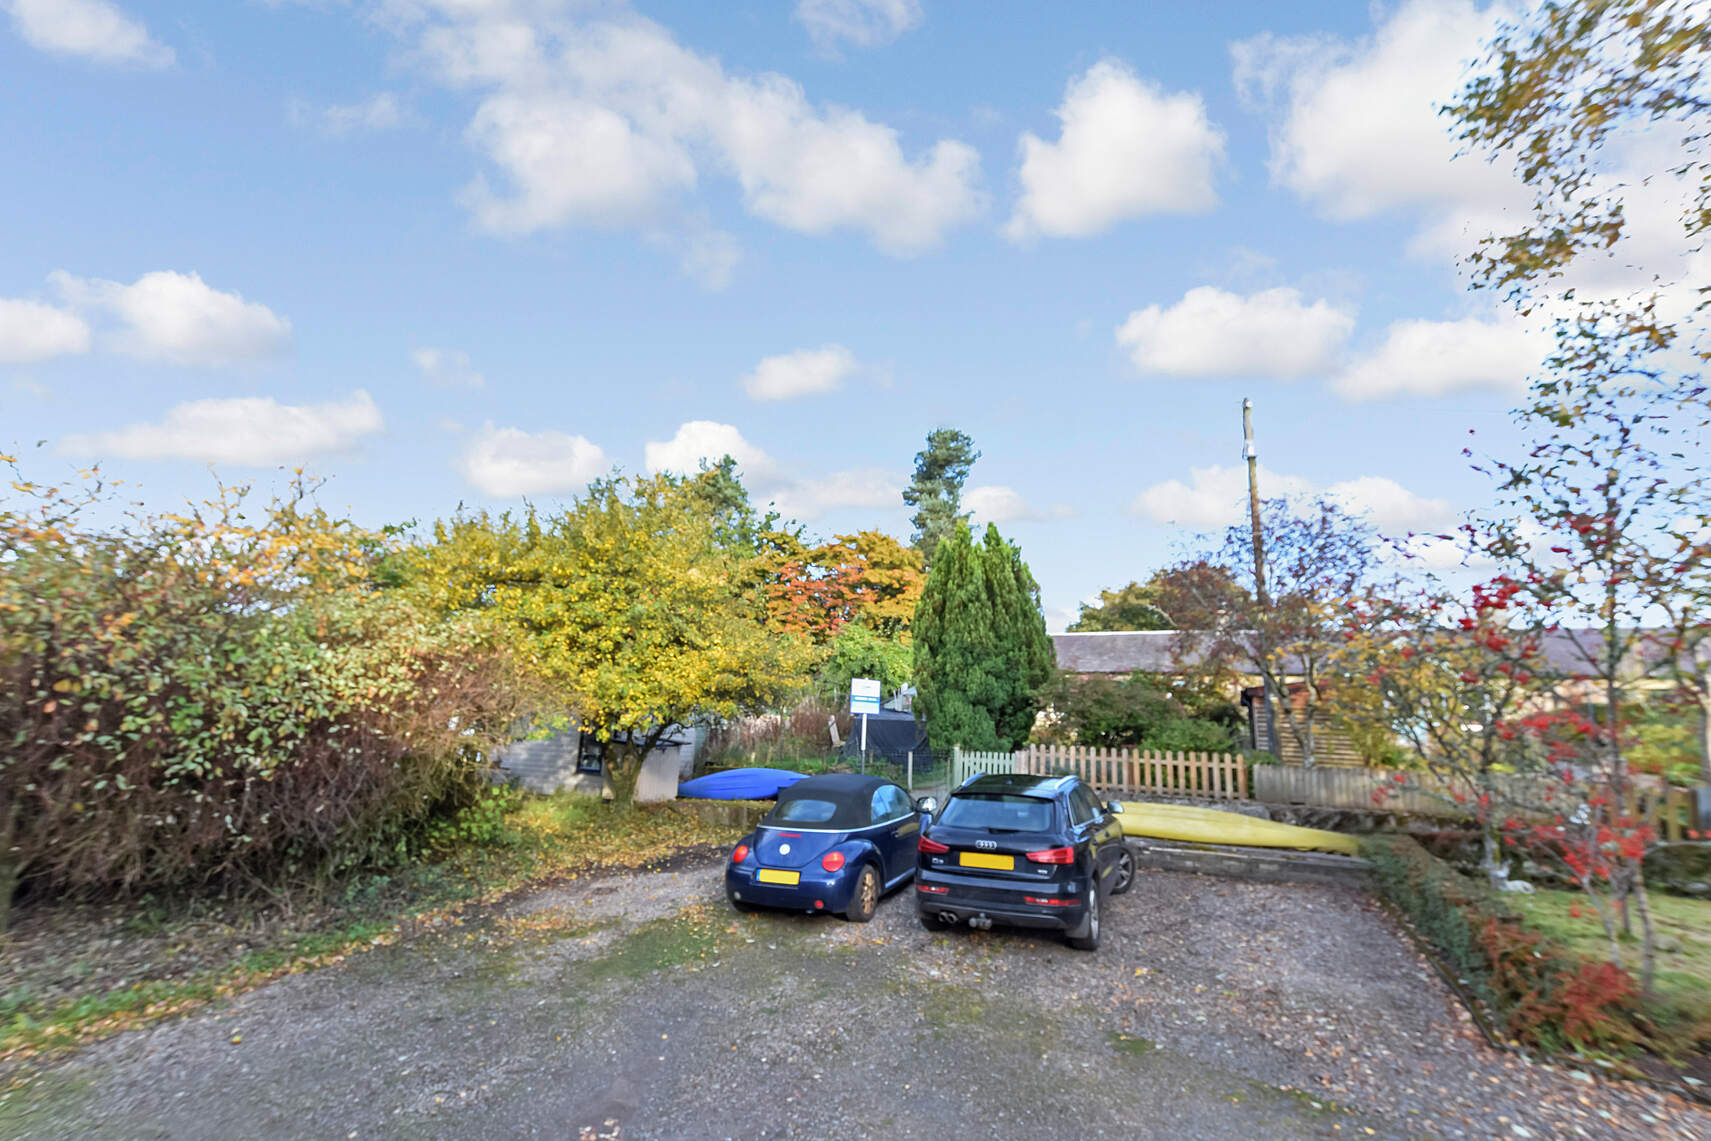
(981, 649)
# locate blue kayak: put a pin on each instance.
(739, 784)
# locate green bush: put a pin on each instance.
(1140, 711)
(1540, 994)
(205, 696)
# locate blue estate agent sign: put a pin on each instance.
(864, 695)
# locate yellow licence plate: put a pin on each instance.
(982, 860)
(773, 875)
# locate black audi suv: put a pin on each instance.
(1025, 851)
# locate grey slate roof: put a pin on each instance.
(1122, 651)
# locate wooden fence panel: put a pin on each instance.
(1216, 776)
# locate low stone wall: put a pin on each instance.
(1275, 865)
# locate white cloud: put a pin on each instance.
(1441, 553)
(1433, 358)
(864, 23)
(448, 368)
(1216, 496)
(178, 317)
(1387, 503)
(379, 112)
(1211, 332)
(95, 30)
(612, 122)
(570, 160)
(247, 431)
(995, 503)
(1358, 130)
(698, 441)
(509, 462)
(801, 373)
(868, 488)
(1127, 148)
(706, 441)
(32, 332)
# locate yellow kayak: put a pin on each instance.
(1209, 826)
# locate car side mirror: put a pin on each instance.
(927, 805)
(1116, 807)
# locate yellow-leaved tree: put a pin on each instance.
(636, 604)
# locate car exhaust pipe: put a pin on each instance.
(948, 918)
(980, 922)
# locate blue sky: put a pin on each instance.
(446, 251)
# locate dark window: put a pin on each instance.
(589, 754)
(1083, 809)
(889, 803)
(802, 811)
(998, 812)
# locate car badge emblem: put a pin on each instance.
(784, 849)
(986, 843)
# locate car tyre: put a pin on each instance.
(865, 900)
(1125, 877)
(1088, 938)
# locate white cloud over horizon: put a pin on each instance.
(997, 503)
(1213, 332)
(243, 431)
(868, 488)
(805, 372)
(94, 30)
(805, 498)
(1127, 148)
(507, 463)
(179, 318)
(1216, 496)
(699, 442)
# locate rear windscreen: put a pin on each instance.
(802, 811)
(999, 812)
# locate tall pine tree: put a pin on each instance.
(981, 649)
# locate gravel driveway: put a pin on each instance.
(642, 1006)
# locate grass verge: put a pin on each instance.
(1682, 998)
(74, 971)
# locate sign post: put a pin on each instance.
(864, 699)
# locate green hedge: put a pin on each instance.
(1542, 995)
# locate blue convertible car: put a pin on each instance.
(833, 843)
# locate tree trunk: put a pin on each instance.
(1703, 692)
(623, 771)
(1648, 934)
(8, 886)
(10, 867)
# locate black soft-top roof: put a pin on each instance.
(852, 793)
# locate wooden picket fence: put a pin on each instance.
(1672, 812)
(966, 763)
(1134, 772)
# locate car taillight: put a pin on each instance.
(932, 889)
(926, 845)
(741, 854)
(832, 861)
(1049, 901)
(1053, 856)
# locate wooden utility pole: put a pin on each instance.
(1253, 498)
(1252, 456)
